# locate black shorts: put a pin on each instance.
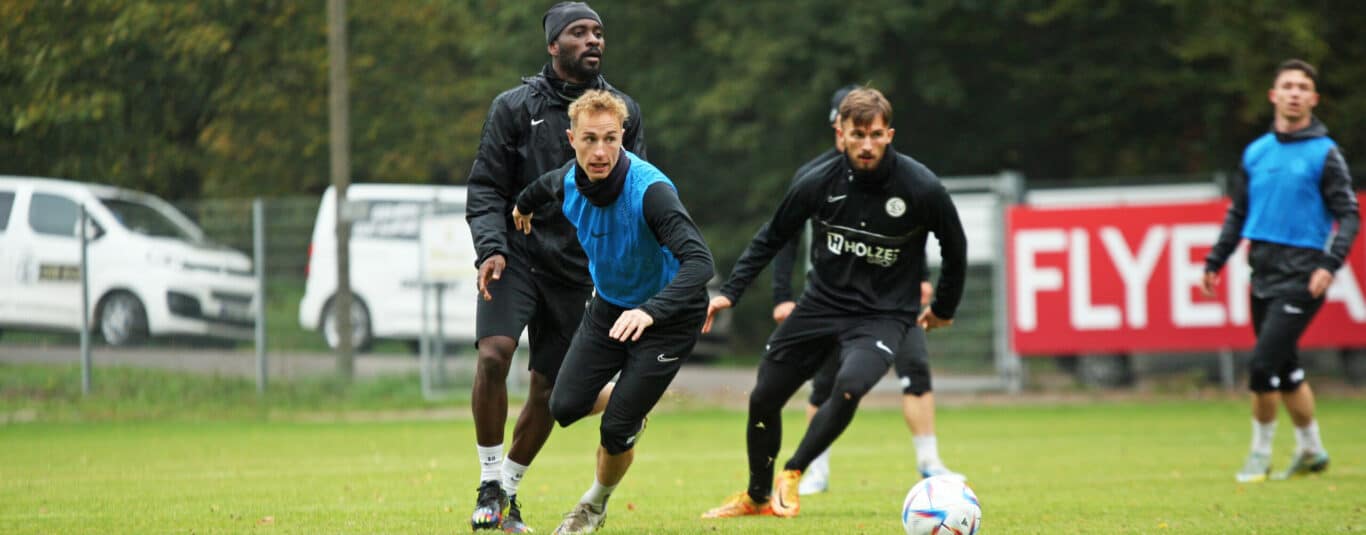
(647, 367)
(1279, 322)
(911, 363)
(810, 338)
(549, 310)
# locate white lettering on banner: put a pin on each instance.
(1135, 270)
(1345, 290)
(1187, 275)
(1085, 315)
(1031, 279)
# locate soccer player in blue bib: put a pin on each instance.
(650, 268)
(1294, 185)
(533, 283)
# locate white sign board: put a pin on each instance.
(448, 249)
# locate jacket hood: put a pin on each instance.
(547, 83)
(1315, 129)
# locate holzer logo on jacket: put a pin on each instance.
(873, 226)
(875, 254)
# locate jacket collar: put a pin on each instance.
(1315, 129)
(565, 92)
(879, 175)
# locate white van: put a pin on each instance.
(386, 261)
(151, 271)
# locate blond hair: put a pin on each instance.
(595, 101)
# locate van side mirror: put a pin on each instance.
(93, 230)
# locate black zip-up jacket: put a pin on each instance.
(868, 230)
(1280, 270)
(523, 138)
(786, 259)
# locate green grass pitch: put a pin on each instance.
(1161, 467)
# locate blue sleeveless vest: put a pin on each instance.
(628, 264)
(1285, 204)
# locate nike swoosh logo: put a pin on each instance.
(1291, 309)
(835, 198)
(884, 347)
(781, 503)
(535, 122)
(663, 358)
(597, 235)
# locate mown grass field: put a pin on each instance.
(1164, 467)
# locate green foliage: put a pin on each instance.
(228, 98)
(1085, 468)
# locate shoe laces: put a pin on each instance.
(578, 518)
(490, 491)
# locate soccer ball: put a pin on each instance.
(941, 505)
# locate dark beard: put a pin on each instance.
(578, 68)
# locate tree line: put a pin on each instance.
(228, 98)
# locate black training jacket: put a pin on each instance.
(523, 138)
(868, 238)
(786, 260)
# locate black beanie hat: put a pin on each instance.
(563, 13)
(838, 98)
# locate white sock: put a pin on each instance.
(597, 495)
(926, 449)
(821, 464)
(1262, 436)
(490, 462)
(1307, 438)
(512, 476)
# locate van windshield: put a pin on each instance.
(148, 220)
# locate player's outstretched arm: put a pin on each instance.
(717, 304)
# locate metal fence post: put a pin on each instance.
(86, 363)
(1009, 187)
(424, 337)
(258, 222)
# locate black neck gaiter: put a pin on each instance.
(605, 191)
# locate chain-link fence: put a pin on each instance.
(386, 263)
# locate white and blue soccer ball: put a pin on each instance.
(941, 505)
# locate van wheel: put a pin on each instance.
(123, 320)
(360, 325)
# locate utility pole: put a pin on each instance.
(339, 124)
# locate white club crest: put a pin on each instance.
(896, 207)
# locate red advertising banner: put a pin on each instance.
(1127, 279)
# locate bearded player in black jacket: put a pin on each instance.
(539, 282)
(871, 212)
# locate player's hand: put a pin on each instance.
(717, 304)
(930, 322)
(1319, 282)
(521, 221)
(491, 269)
(630, 325)
(780, 311)
(926, 293)
(1211, 280)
